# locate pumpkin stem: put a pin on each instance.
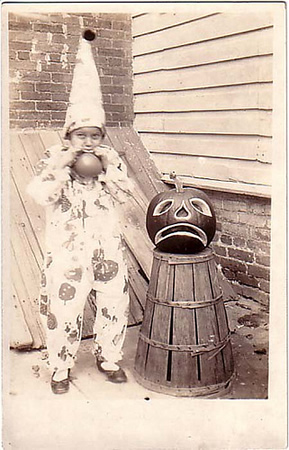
(178, 183)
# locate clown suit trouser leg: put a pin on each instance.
(66, 283)
(112, 300)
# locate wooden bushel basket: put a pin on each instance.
(184, 346)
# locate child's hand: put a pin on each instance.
(102, 155)
(67, 158)
(104, 162)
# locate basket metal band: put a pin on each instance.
(186, 304)
(196, 349)
(175, 259)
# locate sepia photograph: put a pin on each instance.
(144, 226)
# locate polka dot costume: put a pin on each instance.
(84, 256)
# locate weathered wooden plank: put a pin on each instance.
(211, 27)
(147, 320)
(250, 70)
(247, 96)
(141, 357)
(151, 22)
(140, 166)
(29, 268)
(136, 279)
(223, 326)
(20, 336)
(22, 174)
(215, 169)
(224, 122)
(132, 219)
(26, 287)
(252, 43)
(143, 348)
(153, 285)
(239, 147)
(27, 228)
(157, 363)
(152, 183)
(137, 289)
(135, 310)
(184, 365)
(49, 138)
(20, 219)
(213, 277)
(206, 325)
(33, 147)
(162, 278)
(114, 140)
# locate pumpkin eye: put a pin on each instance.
(163, 207)
(201, 206)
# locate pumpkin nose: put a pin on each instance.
(183, 212)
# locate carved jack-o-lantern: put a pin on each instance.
(181, 220)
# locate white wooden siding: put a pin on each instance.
(258, 96)
(204, 28)
(251, 43)
(215, 168)
(253, 123)
(230, 147)
(203, 96)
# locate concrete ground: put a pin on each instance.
(91, 415)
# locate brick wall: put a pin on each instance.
(42, 51)
(242, 243)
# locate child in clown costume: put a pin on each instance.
(84, 248)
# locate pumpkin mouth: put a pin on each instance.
(181, 230)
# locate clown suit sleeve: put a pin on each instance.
(116, 178)
(52, 173)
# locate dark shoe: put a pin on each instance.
(60, 387)
(115, 376)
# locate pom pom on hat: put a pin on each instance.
(89, 35)
(85, 102)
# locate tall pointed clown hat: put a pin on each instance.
(85, 102)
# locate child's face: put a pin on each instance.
(86, 138)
